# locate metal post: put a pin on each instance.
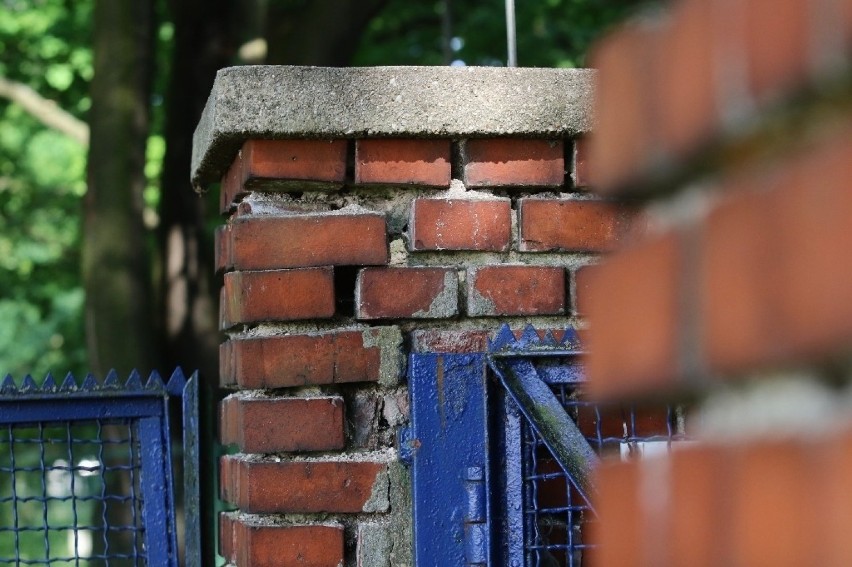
(511, 34)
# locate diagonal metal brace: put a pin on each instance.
(549, 419)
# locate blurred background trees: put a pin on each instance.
(110, 264)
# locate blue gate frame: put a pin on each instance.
(144, 408)
(490, 432)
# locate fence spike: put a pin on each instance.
(69, 384)
(176, 383)
(134, 381)
(528, 338)
(49, 384)
(111, 380)
(549, 340)
(155, 381)
(89, 383)
(29, 384)
(503, 339)
(9, 385)
(571, 338)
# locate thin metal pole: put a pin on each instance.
(511, 34)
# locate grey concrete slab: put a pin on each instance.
(276, 102)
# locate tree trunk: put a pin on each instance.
(317, 32)
(116, 271)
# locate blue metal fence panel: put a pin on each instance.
(449, 458)
(86, 471)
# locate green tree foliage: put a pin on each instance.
(43, 45)
(47, 46)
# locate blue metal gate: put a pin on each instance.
(86, 471)
(502, 446)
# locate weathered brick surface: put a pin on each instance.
(747, 495)
(403, 162)
(435, 340)
(256, 543)
(285, 165)
(507, 162)
(515, 290)
(295, 241)
(270, 425)
(266, 487)
(572, 225)
(222, 260)
(406, 293)
(632, 302)
(297, 360)
(278, 295)
(623, 126)
(461, 224)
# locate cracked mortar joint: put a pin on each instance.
(446, 302)
(379, 500)
(389, 342)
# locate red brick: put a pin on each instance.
(775, 288)
(688, 88)
(515, 290)
(740, 299)
(434, 340)
(778, 47)
(572, 225)
(403, 293)
(618, 530)
(624, 118)
(261, 487)
(295, 241)
(226, 536)
(260, 543)
(633, 305)
(297, 360)
(273, 425)
(700, 478)
(286, 165)
(222, 258)
(769, 520)
(278, 295)
(461, 224)
(403, 162)
(507, 162)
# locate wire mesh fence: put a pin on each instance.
(70, 494)
(86, 471)
(556, 515)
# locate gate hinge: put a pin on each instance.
(475, 521)
(407, 445)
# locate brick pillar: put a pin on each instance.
(722, 117)
(371, 213)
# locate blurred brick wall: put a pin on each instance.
(731, 122)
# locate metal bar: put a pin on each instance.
(153, 487)
(511, 35)
(29, 412)
(549, 419)
(448, 435)
(191, 495)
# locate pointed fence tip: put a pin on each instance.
(8, 384)
(49, 384)
(69, 384)
(177, 382)
(29, 384)
(111, 380)
(503, 339)
(155, 381)
(134, 381)
(89, 383)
